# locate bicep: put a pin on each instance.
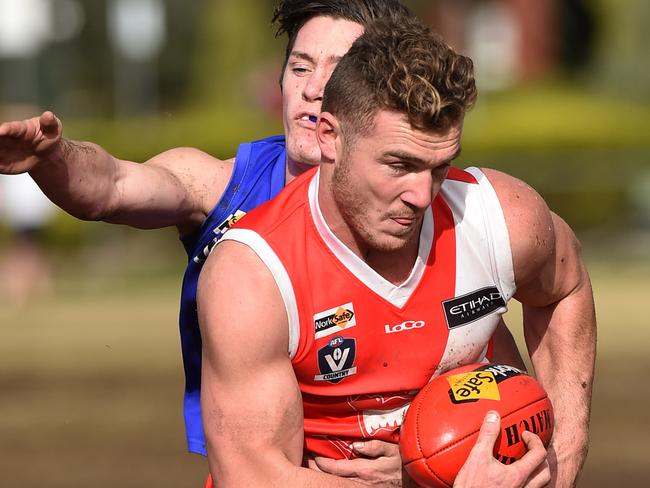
(560, 271)
(249, 394)
(545, 252)
(178, 188)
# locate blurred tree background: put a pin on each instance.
(563, 104)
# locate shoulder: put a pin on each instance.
(530, 224)
(546, 254)
(232, 268)
(282, 212)
(191, 161)
(202, 176)
(267, 148)
(276, 141)
(225, 295)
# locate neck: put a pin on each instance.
(295, 169)
(394, 266)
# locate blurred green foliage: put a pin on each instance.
(621, 65)
(580, 149)
(233, 38)
(581, 141)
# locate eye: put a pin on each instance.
(400, 167)
(300, 69)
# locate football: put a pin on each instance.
(442, 424)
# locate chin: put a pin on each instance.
(301, 157)
(303, 147)
(388, 244)
(399, 242)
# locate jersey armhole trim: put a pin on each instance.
(497, 229)
(253, 240)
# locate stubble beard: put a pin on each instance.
(354, 211)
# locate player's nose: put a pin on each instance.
(419, 192)
(315, 85)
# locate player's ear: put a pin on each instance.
(328, 134)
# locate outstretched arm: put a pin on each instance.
(559, 317)
(175, 188)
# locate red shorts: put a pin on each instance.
(208, 482)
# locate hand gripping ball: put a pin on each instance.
(442, 423)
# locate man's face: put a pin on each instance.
(319, 46)
(384, 183)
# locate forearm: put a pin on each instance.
(79, 177)
(299, 476)
(562, 343)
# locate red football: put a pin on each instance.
(442, 423)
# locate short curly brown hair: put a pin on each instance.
(405, 67)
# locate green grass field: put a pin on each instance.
(91, 384)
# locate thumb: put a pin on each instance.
(50, 124)
(374, 448)
(488, 434)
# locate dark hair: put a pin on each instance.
(291, 15)
(405, 67)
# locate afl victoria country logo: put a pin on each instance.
(336, 360)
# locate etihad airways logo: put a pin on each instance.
(472, 306)
(334, 320)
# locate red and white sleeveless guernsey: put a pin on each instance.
(361, 347)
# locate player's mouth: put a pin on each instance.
(405, 221)
(307, 120)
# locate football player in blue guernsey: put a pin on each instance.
(197, 193)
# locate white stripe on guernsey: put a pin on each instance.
(498, 229)
(398, 295)
(476, 265)
(253, 240)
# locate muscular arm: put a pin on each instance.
(559, 317)
(252, 407)
(175, 188)
(505, 348)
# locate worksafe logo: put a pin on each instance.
(480, 384)
(334, 320)
(473, 386)
(336, 360)
(472, 306)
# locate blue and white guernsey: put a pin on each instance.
(258, 175)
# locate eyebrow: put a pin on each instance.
(404, 156)
(303, 55)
